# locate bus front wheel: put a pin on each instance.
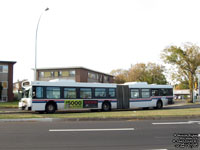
(50, 108)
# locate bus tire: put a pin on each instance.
(159, 105)
(106, 106)
(50, 107)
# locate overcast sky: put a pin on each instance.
(98, 34)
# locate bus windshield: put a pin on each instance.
(26, 93)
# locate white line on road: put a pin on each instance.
(162, 123)
(88, 130)
(168, 123)
(158, 149)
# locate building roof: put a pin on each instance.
(76, 67)
(8, 62)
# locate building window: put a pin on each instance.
(100, 78)
(3, 68)
(41, 74)
(69, 92)
(65, 74)
(135, 93)
(53, 92)
(100, 92)
(60, 73)
(106, 78)
(52, 74)
(85, 93)
(5, 84)
(92, 75)
(72, 73)
(56, 74)
(47, 74)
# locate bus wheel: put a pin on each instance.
(106, 106)
(50, 108)
(159, 105)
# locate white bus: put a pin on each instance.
(42, 96)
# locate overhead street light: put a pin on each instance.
(35, 70)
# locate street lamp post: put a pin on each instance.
(35, 70)
(198, 84)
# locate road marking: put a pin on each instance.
(89, 130)
(163, 123)
(158, 149)
(172, 123)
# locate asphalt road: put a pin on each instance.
(100, 135)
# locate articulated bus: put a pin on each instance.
(42, 96)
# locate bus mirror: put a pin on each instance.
(34, 94)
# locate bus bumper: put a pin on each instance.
(21, 106)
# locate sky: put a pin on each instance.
(98, 34)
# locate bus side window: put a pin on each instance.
(145, 93)
(155, 92)
(69, 93)
(135, 93)
(170, 92)
(85, 93)
(53, 92)
(100, 92)
(38, 92)
(111, 93)
(34, 93)
(163, 92)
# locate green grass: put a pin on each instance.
(133, 114)
(9, 104)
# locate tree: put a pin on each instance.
(120, 75)
(150, 73)
(140, 72)
(137, 73)
(186, 59)
(180, 80)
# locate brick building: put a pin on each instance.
(6, 80)
(78, 74)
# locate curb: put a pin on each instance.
(28, 120)
(98, 119)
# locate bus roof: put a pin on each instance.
(146, 85)
(72, 84)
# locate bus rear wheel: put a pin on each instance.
(50, 108)
(106, 106)
(159, 105)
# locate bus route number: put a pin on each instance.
(73, 104)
